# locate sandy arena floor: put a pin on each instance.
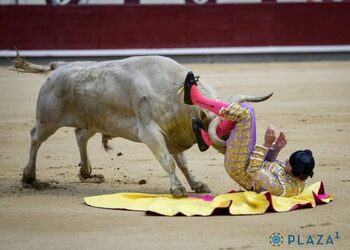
(311, 104)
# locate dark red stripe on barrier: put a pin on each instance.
(176, 26)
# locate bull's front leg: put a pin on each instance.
(82, 137)
(197, 186)
(154, 139)
(150, 134)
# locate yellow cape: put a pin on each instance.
(231, 203)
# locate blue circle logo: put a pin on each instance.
(276, 239)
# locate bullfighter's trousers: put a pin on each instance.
(241, 142)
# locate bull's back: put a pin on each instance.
(105, 95)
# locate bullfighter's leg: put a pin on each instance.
(82, 136)
(39, 134)
(192, 95)
(204, 135)
(240, 146)
(197, 186)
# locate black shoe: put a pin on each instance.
(197, 126)
(189, 81)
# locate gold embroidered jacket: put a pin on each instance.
(272, 176)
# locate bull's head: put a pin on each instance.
(212, 121)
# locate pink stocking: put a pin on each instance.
(214, 106)
(206, 137)
(211, 105)
(224, 128)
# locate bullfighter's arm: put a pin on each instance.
(258, 169)
(274, 150)
(272, 153)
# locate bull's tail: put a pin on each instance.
(23, 66)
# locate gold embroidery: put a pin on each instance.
(251, 172)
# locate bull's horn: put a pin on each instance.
(212, 132)
(249, 98)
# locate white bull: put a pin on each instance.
(135, 98)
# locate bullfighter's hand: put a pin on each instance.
(270, 136)
(281, 141)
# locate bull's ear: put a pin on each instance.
(206, 117)
(202, 115)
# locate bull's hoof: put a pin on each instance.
(96, 178)
(28, 179)
(84, 176)
(200, 187)
(179, 192)
(38, 185)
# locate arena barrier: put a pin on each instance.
(174, 28)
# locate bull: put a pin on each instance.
(135, 98)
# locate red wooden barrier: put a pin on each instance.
(176, 26)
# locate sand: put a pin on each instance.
(311, 104)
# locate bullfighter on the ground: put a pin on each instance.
(252, 166)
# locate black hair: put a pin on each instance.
(302, 163)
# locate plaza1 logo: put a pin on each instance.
(277, 239)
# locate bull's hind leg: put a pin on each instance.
(39, 134)
(82, 136)
(197, 186)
